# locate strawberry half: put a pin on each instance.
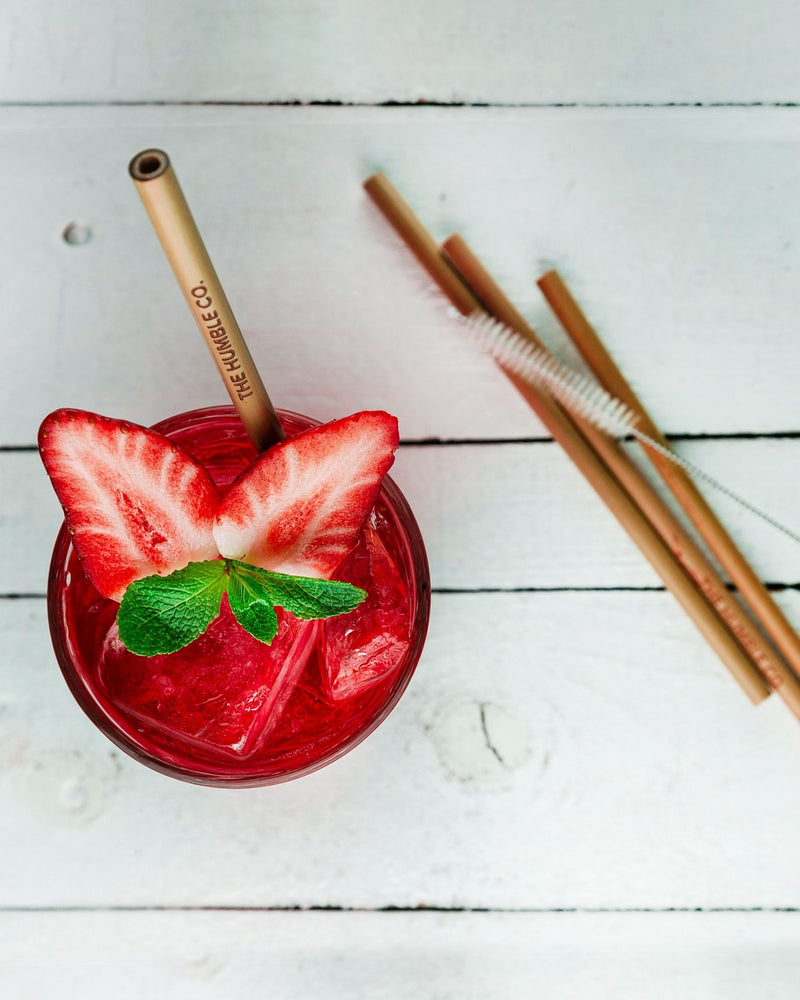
(299, 507)
(134, 503)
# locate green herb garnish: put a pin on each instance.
(161, 614)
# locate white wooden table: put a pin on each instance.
(573, 799)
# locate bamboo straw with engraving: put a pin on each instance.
(691, 557)
(720, 608)
(596, 472)
(175, 227)
(683, 488)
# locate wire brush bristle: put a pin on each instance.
(578, 394)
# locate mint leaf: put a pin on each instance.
(303, 596)
(161, 614)
(251, 604)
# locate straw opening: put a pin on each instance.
(148, 164)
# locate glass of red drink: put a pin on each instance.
(228, 710)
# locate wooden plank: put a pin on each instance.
(363, 51)
(511, 515)
(673, 225)
(403, 956)
(553, 750)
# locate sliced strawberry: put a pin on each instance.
(300, 506)
(134, 503)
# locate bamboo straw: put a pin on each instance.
(172, 220)
(419, 241)
(671, 566)
(563, 429)
(682, 486)
(683, 546)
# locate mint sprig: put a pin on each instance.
(251, 605)
(161, 614)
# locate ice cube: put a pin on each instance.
(365, 646)
(225, 691)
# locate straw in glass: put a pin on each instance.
(175, 227)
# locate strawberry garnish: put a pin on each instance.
(135, 504)
(149, 527)
(300, 506)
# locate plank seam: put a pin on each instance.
(421, 908)
(392, 103)
(542, 439)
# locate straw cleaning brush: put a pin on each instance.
(583, 397)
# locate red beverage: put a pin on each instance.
(228, 709)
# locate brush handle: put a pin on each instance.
(651, 445)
